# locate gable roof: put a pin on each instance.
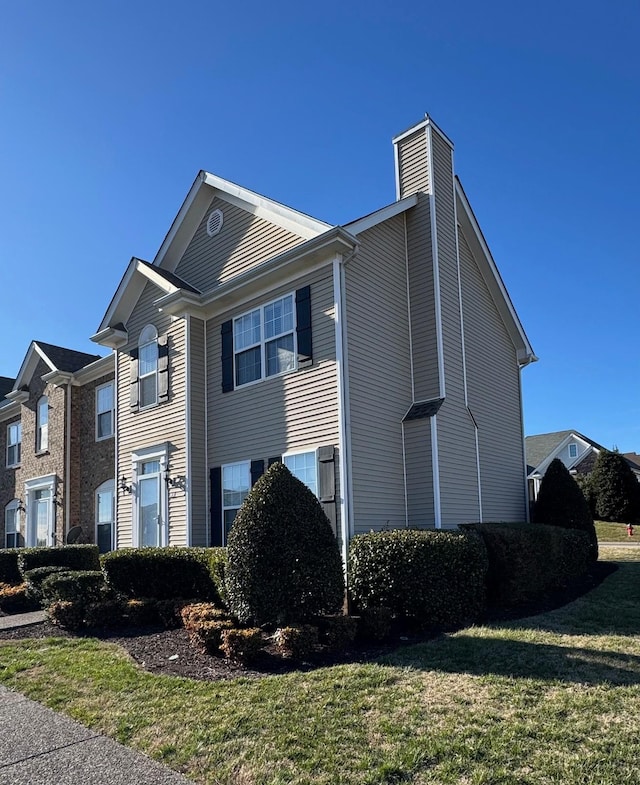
(541, 446)
(57, 358)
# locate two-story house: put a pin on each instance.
(379, 360)
(57, 426)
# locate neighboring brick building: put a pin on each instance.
(57, 459)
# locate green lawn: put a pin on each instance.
(616, 532)
(550, 699)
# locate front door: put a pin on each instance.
(41, 520)
(149, 510)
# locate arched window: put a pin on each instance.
(42, 424)
(148, 366)
(105, 515)
(12, 535)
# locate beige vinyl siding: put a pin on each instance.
(459, 501)
(155, 426)
(379, 374)
(243, 242)
(493, 382)
(197, 425)
(294, 411)
(412, 164)
(419, 461)
(422, 301)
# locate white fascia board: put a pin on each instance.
(32, 358)
(58, 378)
(542, 467)
(418, 126)
(17, 396)
(9, 410)
(111, 337)
(286, 217)
(167, 256)
(379, 216)
(488, 268)
(94, 370)
(289, 265)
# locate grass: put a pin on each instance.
(615, 532)
(553, 698)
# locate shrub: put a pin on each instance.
(162, 573)
(296, 642)
(80, 586)
(169, 612)
(196, 612)
(14, 598)
(284, 563)
(615, 489)
(561, 503)
(205, 624)
(105, 613)
(527, 561)
(217, 560)
(337, 633)
(35, 578)
(141, 612)
(73, 557)
(241, 646)
(586, 486)
(9, 571)
(67, 614)
(433, 578)
(375, 623)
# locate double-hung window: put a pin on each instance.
(264, 341)
(12, 524)
(42, 425)
(573, 450)
(14, 443)
(236, 483)
(104, 411)
(304, 466)
(148, 367)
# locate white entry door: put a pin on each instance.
(149, 509)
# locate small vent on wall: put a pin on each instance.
(214, 222)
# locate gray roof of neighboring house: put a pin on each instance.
(66, 360)
(634, 460)
(171, 277)
(540, 447)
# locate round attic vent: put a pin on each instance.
(214, 222)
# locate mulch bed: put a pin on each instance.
(169, 652)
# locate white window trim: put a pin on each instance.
(307, 451)
(14, 505)
(42, 445)
(263, 342)
(245, 464)
(161, 453)
(108, 485)
(17, 443)
(141, 346)
(575, 446)
(113, 410)
(47, 482)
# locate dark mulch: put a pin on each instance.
(170, 652)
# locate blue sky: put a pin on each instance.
(108, 111)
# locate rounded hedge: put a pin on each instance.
(284, 562)
(615, 489)
(73, 557)
(435, 578)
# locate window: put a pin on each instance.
(105, 495)
(14, 443)
(42, 424)
(104, 411)
(236, 482)
(573, 450)
(264, 341)
(12, 525)
(304, 466)
(148, 366)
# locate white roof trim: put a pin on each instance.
(384, 214)
(32, 357)
(8, 410)
(542, 467)
(493, 278)
(418, 126)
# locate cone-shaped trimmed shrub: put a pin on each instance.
(284, 561)
(615, 489)
(560, 502)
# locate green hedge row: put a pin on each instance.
(73, 557)
(9, 572)
(167, 573)
(527, 561)
(430, 577)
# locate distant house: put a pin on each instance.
(57, 449)
(578, 453)
(379, 360)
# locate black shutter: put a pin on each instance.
(163, 369)
(303, 326)
(227, 356)
(215, 480)
(257, 470)
(327, 490)
(134, 378)
(275, 459)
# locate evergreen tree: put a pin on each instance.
(560, 502)
(615, 488)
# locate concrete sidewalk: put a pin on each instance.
(40, 747)
(14, 620)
